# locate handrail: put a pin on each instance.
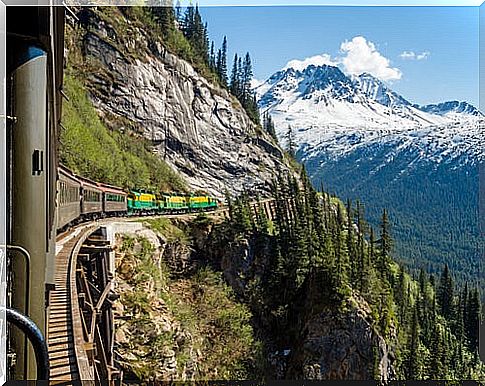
(82, 361)
(30, 329)
(24, 252)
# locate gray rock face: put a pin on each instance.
(332, 343)
(341, 346)
(197, 127)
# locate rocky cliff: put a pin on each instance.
(195, 126)
(341, 345)
(326, 339)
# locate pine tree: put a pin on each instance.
(223, 63)
(188, 22)
(385, 244)
(247, 76)
(165, 17)
(290, 142)
(218, 63)
(234, 81)
(268, 125)
(446, 293)
(413, 360)
(205, 45)
(473, 315)
(436, 364)
(212, 58)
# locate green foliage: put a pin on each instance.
(433, 211)
(268, 125)
(202, 306)
(91, 150)
(164, 226)
(325, 253)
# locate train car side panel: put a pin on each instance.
(91, 198)
(69, 205)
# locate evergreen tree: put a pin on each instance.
(188, 22)
(212, 58)
(385, 244)
(473, 315)
(413, 361)
(164, 15)
(350, 241)
(290, 142)
(234, 81)
(446, 293)
(247, 76)
(436, 364)
(268, 125)
(222, 67)
(219, 63)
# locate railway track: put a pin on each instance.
(60, 335)
(74, 343)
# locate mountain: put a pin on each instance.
(317, 310)
(365, 141)
(451, 107)
(141, 88)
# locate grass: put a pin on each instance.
(165, 227)
(201, 307)
(93, 151)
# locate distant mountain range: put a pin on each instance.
(329, 110)
(364, 140)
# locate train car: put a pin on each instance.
(34, 72)
(142, 201)
(91, 198)
(114, 200)
(202, 203)
(69, 198)
(173, 203)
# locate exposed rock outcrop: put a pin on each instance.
(197, 127)
(341, 345)
(331, 340)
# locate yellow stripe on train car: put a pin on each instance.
(146, 197)
(177, 200)
(198, 199)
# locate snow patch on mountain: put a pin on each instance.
(336, 114)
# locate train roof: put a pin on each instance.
(68, 173)
(111, 188)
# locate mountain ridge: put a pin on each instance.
(373, 88)
(328, 109)
(376, 146)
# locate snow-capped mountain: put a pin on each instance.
(365, 141)
(332, 112)
(451, 107)
(377, 91)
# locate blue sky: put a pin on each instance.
(428, 54)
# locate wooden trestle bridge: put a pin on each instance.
(80, 332)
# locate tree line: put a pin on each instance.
(189, 21)
(324, 252)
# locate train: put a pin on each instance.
(41, 197)
(82, 199)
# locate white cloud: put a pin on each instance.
(423, 55)
(408, 55)
(362, 56)
(317, 60)
(411, 55)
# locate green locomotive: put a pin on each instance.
(141, 201)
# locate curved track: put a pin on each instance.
(69, 353)
(60, 336)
